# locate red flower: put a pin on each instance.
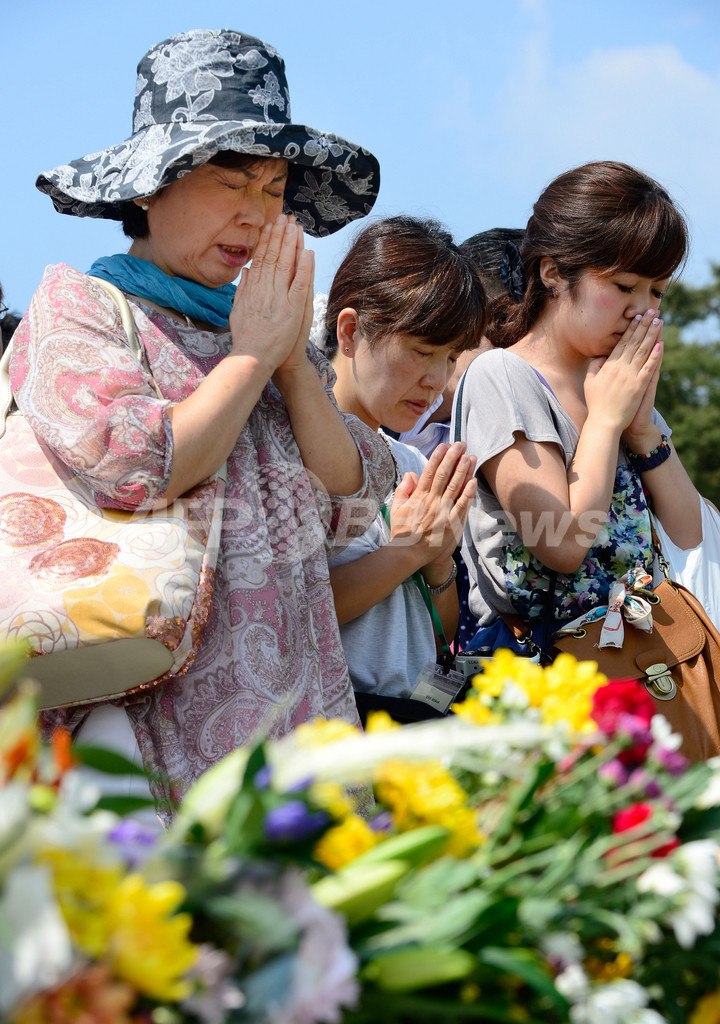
(624, 706)
(630, 817)
(636, 814)
(621, 697)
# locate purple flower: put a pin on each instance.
(635, 727)
(641, 780)
(382, 822)
(292, 822)
(298, 787)
(263, 777)
(671, 760)
(613, 771)
(135, 841)
(214, 991)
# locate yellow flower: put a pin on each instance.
(322, 731)
(609, 970)
(342, 844)
(569, 689)
(707, 1010)
(149, 945)
(124, 922)
(83, 888)
(380, 721)
(332, 798)
(473, 710)
(427, 794)
(562, 692)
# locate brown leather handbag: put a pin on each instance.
(679, 663)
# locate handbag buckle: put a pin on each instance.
(659, 682)
(578, 633)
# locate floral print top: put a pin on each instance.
(624, 541)
(271, 656)
(502, 396)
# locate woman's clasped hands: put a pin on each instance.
(429, 511)
(622, 385)
(272, 310)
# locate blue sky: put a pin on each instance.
(471, 106)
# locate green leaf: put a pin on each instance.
(537, 914)
(524, 964)
(107, 761)
(446, 925)
(255, 762)
(123, 805)
(258, 918)
(244, 828)
(436, 882)
(13, 663)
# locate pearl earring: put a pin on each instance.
(145, 206)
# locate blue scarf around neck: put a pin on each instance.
(144, 279)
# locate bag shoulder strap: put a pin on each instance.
(519, 629)
(134, 341)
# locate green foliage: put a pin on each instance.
(688, 394)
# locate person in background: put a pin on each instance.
(8, 323)
(560, 415)
(487, 250)
(215, 175)
(404, 306)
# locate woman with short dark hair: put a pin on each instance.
(404, 304)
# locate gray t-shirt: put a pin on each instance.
(502, 396)
(388, 645)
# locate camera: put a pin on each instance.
(470, 662)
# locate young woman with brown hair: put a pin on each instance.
(560, 416)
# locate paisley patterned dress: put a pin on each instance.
(271, 656)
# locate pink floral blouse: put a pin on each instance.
(271, 656)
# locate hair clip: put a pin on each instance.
(512, 272)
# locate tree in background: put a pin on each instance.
(688, 394)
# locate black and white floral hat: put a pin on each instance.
(202, 92)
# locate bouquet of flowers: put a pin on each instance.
(545, 854)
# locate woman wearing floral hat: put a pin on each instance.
(215, 174)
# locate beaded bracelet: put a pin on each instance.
(642, 463)
(446, 584)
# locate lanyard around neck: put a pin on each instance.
(417, 578)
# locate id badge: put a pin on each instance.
(437, 689)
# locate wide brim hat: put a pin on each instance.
(200, 93)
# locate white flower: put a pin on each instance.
(563, 947)
(324, 976)
(711, 796)
(690, 879)
(40, 951)
(14, 819)
(514, 698)
(352, 760)
(661, 879)
(573, 983)
(662, 734)
(619, 1002)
